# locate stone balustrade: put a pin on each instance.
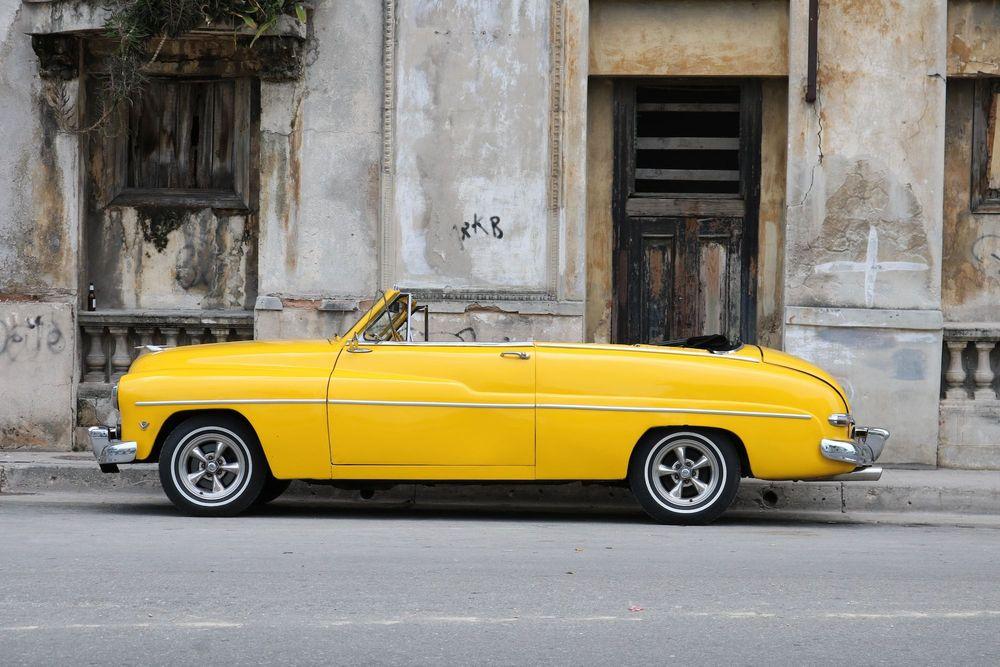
(970, 407)
(971, 362)
(113, 339)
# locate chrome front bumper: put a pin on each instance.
(108, 449)
(863, 449)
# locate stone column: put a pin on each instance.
(864, 210)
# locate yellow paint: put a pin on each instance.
(325, 409)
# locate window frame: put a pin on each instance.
(685, 204)
(983, 199)
(245, 129)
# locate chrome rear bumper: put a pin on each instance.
(108, 449)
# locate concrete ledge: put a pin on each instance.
(955, 492)
(872, 318)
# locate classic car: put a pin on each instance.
(230, 424)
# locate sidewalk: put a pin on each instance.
(959, 493)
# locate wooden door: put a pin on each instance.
(687, 162)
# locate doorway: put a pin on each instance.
(685, 202)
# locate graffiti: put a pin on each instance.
(870, 267)
(27, 338)
(986, 252)
(476, 227)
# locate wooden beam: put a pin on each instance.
(687, 175)
(709, 107)
(688, 143)
(698, 205)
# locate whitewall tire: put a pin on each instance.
(685, 476)
(212, 465)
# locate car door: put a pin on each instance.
(440, 404)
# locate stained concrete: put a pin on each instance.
(471, 159)
(864, 206)
(37, 371)
(688, 38)
(973, 37)
(970, 280)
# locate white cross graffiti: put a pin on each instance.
(871, 267)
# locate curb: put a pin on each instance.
(900, 491)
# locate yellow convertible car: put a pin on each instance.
(232, 423)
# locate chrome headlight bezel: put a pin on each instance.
(114, 396)
(841, 419)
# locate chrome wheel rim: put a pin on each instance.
(685, 472)
(211, 466)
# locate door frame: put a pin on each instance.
(624, 323)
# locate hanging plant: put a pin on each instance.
(140, 27)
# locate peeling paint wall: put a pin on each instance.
(771, 220)
(471, 159)
(320, 150)
(205, 261)
(688, 38)
(600, 220)
(970, 280)
(37, 366)
(973, 37)
(38, 245)
(863, 244)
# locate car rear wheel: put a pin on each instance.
(685, 477)
(212, 465)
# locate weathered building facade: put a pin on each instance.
(611, 170)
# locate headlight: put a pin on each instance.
(114, 397)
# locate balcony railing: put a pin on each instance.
(971, 362)
(113, 338)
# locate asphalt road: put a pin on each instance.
(85, 580)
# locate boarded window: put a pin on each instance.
(687, 142)
(986, 148)
(187, 143)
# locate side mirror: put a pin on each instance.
(354, 345)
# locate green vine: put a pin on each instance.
(141, 26)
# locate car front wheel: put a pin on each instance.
(685, 477)
(212, 466)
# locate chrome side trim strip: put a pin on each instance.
(690, 411)
(432, 404)
(239, 401)
(449, 404)
(562, 406)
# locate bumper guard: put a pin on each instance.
(862, 450)
(108, 449)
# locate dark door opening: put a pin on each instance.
(686, 198)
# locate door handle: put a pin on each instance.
(359, 350)
(515, 355)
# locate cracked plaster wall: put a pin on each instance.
(864, 227)
(38, 245)
(472, 144)
(971, 263)
(320, 152)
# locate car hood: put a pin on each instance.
(237, 353)
(785, 360)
